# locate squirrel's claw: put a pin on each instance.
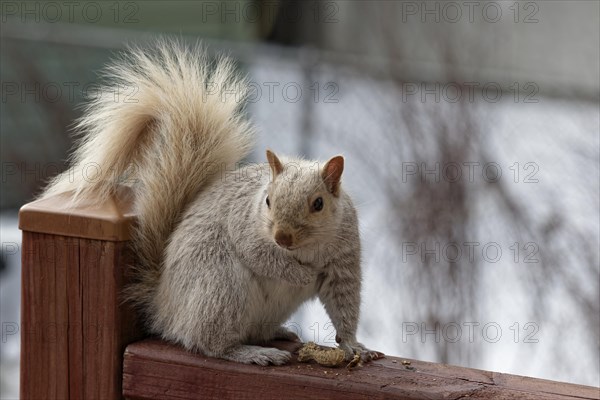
(371, 355)
(358, 348)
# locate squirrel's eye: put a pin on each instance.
(318, 204)
(268, 202)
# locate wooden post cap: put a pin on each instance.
(111, 221)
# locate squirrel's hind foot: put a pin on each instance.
(248, 354)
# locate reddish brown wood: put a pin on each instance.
(74, 326)
(108, 323)
(155, 369)
(111, 221)
(44, 316)
(76, 376)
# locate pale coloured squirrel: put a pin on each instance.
(224, 255)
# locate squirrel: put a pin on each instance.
(224, 254)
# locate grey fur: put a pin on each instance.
(210, 275)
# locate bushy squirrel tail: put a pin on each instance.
(165, 119)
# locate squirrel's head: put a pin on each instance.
(303, 201)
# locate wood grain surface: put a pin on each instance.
(74, 328)
(154, 369)
(111, 221)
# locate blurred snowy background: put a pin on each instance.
(471, 137)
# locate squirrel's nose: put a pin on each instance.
(283, 239)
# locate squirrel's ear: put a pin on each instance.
(332, 174)
(276, 166)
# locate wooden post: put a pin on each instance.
(74, 327)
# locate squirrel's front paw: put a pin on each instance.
(353, 348)
(299, 275)
(283, 333)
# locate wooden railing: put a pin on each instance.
(79, 341)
